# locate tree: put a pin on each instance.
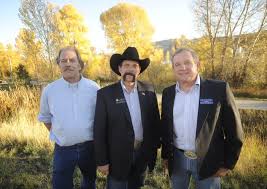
(127, 25)
(182, 42)
(233, 29)
(22, 74)
(2, 61)
(53, 28)
(98, 68)
(30, 51)
(37, 16)
(71, 30)
(9, 59)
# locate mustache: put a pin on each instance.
(130, 74)
(68, 69)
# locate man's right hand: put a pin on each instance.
(104, 169)
(165, 166)
(165, 163)
(48, 126)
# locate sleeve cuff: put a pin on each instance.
(44, 119)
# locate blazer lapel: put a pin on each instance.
(119, 96)
(203, 109)
(142, 100)
(171, 100)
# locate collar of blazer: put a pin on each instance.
(203, 109)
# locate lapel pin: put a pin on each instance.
(119, 101)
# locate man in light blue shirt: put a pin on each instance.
(67, 109)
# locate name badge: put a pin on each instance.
(120, 101)
(206, 101)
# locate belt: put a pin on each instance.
(75, 145)
(188, 154)
(137, 144)
(180, 150)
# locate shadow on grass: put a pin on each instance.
(24, 172)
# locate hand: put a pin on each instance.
(165, 166)
(221, 172)
(165, 163)
(48, 126)
(104, 169)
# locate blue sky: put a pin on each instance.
(170, 18)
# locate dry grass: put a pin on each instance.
(251, 92)
(23, 131)
(253, 157)
(26, 152)
(20, 98)
(19, 124)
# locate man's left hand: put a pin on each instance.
(221, 172)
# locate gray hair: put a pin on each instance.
(76, 52)
(191, 51)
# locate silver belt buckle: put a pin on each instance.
(137, 144)
(190, 154)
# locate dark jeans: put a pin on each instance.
(136, 176)
(65, 160)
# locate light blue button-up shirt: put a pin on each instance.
(133, 104)
(70, 108)
(185, 111)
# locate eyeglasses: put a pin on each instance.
(71, 60)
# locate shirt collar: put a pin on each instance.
(72, 85)
(197, 83)
(125, 89)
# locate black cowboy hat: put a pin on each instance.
(129, 54)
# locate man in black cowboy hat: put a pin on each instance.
(126, 124)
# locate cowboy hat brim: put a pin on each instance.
(116, 59)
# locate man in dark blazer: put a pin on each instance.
(126, 128)
(201, 128)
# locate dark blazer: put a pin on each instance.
(219, 134)
(113, 130)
